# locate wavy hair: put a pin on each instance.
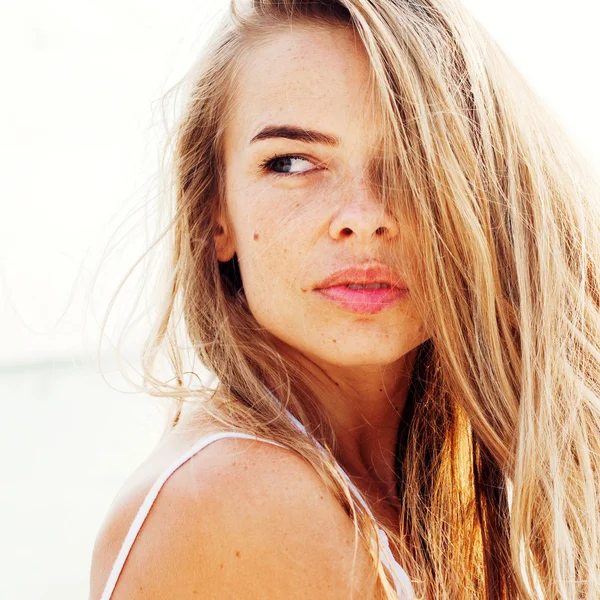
(498, 454)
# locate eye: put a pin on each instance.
(284, 162)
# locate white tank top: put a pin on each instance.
(401, 579)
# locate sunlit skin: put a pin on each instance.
(292, 231)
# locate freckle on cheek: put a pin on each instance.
(255, 235)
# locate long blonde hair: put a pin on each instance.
(498, 469)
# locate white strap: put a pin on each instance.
(401, 577)
(151, 497)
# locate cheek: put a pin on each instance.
(277, 233)
(274, 239)
(276, 266)
(270, 262)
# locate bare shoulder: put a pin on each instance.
(242, 519)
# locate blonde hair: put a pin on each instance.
(498, 471)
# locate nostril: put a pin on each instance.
(380, 230)
(346, 231)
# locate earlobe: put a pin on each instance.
(223, 243)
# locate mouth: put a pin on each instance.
(367, 289)
(363, 298)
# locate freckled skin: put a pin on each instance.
(312, 225)
(323, 217)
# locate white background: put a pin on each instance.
(80, 122)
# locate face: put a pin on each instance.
(300, 210)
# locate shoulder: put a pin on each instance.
(241, 519)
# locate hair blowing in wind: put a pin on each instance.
(499, 471)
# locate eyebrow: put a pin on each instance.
(291, 132)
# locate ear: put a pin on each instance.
(224, 243)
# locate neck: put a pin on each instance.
(365, 405)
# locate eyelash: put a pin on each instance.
(266, 165)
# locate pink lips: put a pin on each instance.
(364, 300)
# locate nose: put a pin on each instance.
(362, 215)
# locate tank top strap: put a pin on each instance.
(151, 496)
(402, 581)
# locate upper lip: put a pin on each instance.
(365, 274)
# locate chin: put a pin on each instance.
(351, 356)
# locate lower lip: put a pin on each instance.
(364, 301)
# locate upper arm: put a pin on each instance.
(260, 524)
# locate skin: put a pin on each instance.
(290, 232)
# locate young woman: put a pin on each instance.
(388, 254)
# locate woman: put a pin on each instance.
(388, 254)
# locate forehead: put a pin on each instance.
(319, 78)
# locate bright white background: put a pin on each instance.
(80, 120)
